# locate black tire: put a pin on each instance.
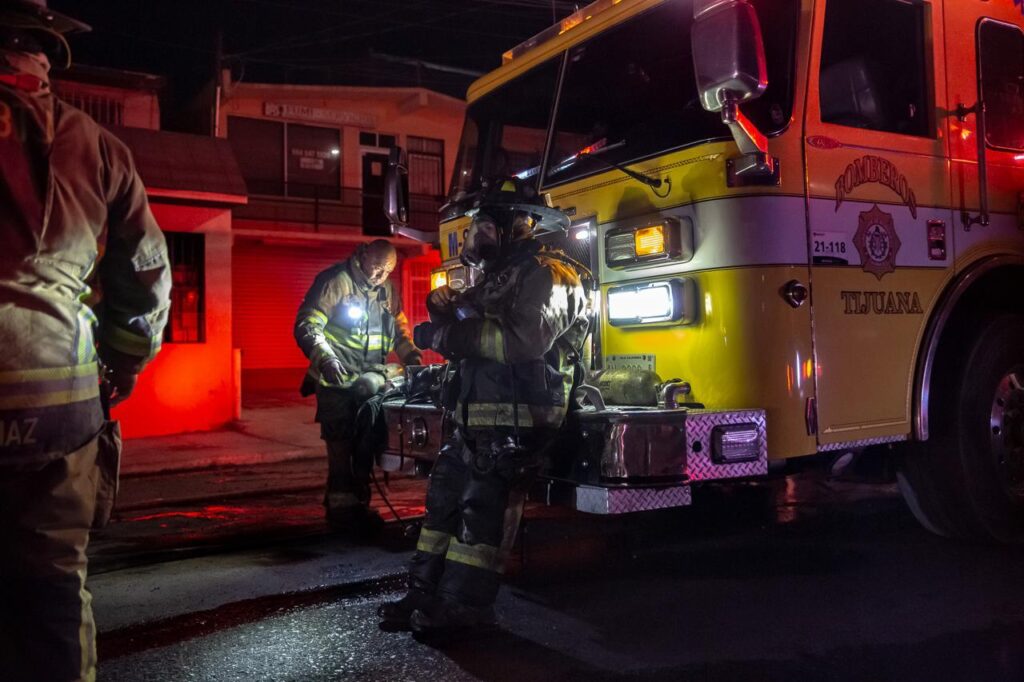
(967, 480)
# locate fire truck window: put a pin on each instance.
(874, 66)
(630, 93)
(1001, 55)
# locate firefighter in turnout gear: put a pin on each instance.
(73, 215)
(516, 337)
(349, 321)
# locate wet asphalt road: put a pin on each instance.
(802, 579)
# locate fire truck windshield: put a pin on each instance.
(632, 85)
(505, 130)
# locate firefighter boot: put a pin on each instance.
(447, 619)
(358, 523)
(395, 615)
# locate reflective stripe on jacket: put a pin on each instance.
(344, 317)
(518, 351)
(73, 211)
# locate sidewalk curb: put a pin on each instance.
(139, 637)
(206, 499)
(191, 460)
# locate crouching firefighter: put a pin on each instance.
(516, 337)
(349, 321)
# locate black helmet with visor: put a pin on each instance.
(30, 26)
(505, 211)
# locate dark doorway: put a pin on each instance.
(374, 169)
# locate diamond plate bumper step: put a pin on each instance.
(608, 500)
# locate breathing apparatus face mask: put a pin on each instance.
(483, 243)
(490, 239)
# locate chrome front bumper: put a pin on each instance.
(625, 458)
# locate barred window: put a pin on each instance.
(187, 254)
(426, 166)
(104, 110)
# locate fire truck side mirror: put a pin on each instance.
(396, 191)
(730, 68)
(728, 53)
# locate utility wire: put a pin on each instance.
(397, 26)
(295, 41)
(312, 39)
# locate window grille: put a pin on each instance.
(105, 110)
(187, 255)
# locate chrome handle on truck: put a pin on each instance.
(593, 394)
(671, 391)
(981, 132)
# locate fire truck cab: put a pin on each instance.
(805, 223)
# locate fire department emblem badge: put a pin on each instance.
(877, 242)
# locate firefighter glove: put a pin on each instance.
(441, 300)
(331, 372)
(122, 384)
(428, 335)
(121, 372)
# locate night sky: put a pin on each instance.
(355, 42)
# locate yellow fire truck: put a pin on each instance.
(806, 227)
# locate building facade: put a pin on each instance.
(314, 159)
(192, 182)
(252, 214)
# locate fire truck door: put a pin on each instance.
(880, 225)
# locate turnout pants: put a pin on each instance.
(474, 505)
(46, 626)
(354, 431)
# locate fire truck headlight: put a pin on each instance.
(667, 239)
(651, 302)
(732, 443)
(649, 241)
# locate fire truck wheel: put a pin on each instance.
(968, 481)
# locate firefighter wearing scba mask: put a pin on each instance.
(516, 337)
(349, 321)
(73, 214)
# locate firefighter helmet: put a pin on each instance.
(503, 212)
(515, 195)
(47, 27)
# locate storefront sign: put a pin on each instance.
(334, 117)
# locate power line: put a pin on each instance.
(293, 41)
(397, 26)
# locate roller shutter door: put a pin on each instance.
(269, 281)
